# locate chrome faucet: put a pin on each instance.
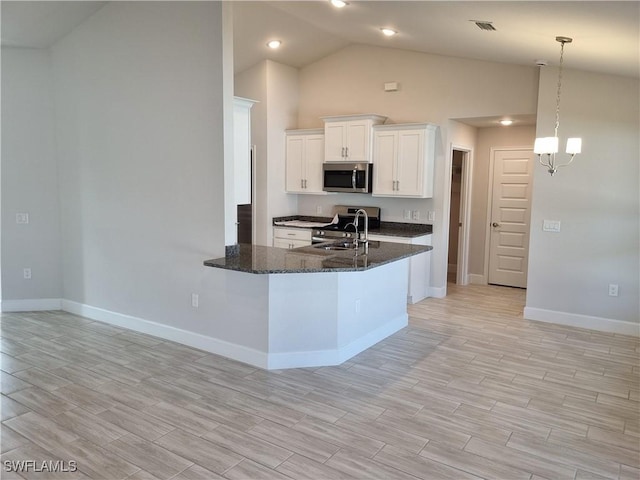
(366, 231)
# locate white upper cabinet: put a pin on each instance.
(348, 138)
(304, 158)
(403, 158)
(242, 149)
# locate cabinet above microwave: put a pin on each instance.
(349, 138)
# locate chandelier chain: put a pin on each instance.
(559, 89)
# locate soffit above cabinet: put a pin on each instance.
(348, 118)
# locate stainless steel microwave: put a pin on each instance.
(347, 177)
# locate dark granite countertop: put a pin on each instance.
(264, 260)
(390, 229)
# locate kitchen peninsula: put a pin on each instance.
(316, 306)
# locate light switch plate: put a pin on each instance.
(551, 226)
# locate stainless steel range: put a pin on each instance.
(344, 228)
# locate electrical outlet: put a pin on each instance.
(613, 290)
(431, 216)
(551, 226)
(22, 218)
(195, 300)
(415, 215)
(406, 214)
(318, 209)
(26, 273)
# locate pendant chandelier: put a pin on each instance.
(547, 147)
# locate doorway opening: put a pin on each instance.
(459, 218)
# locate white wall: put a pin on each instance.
(275, 86)
(432, 88)
(139, 116)
(29, 180)
(225, 35)
(596, 199)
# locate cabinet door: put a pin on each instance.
(285, 243)
(294, 164)
(334, 141)
(410, 163)
(314, 158)
(384, 157)
(357, 141)
(281, 243)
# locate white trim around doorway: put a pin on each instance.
(462, 273)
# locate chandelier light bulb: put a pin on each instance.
(545, 145)
(574, 146)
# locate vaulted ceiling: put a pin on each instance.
(606, 34)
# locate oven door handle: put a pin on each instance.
(353, 178)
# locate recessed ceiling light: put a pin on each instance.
(339, 3)
(506, 123)
(274, 44)
(389, 32)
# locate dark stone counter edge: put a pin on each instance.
(389, 229)
(217, 263)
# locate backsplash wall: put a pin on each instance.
(392, 209)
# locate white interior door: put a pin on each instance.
(510, 217)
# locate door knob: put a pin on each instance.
(495, 224)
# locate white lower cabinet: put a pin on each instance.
(291, 237)
(419, 266)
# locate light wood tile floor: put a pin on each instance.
(468, 390)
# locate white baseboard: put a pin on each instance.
(475, 279)
(185, 337)
(31, 305)
(583, 321)
(438, 292)
(234, 351)
(336, 357)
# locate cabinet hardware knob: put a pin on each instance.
(495, 224)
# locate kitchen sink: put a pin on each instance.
(335, 246)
